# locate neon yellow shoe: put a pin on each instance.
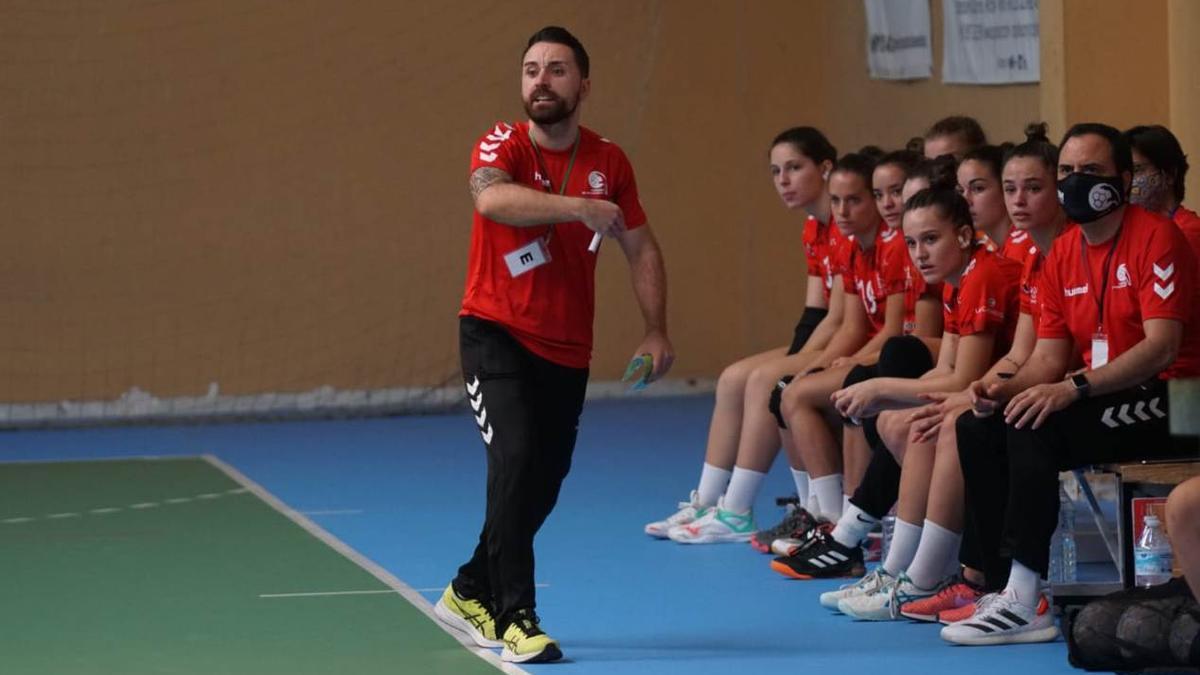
(524, 641)
(468, 616)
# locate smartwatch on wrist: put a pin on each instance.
(1081, 384)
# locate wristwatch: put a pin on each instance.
(1081, 384)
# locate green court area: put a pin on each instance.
(161, 566)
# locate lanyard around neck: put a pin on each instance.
(1099, 297)
(545, 172)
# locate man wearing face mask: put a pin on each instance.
(1121, 292)
(1159, 178)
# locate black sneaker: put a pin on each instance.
(822, 557)
(796, 522)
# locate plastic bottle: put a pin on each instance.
(889, 526)
(1063, 553)
(1152, 557)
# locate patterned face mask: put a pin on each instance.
(1149, 191)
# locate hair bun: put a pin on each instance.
(1037, 131)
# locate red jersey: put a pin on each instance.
(548, 309)
(1152, 275)
(827, 251)
(875, 274)
(1189, 222)
(1018, 246)
(986, 300)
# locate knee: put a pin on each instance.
(892, 431)
(1183, 507)
(904, 356)
(760, 382)
(732, 381)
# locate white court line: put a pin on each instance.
(21, 519)
(209, 495)
(110, 509)
(178, 500)
(333, 512)
(144, 505)
(362, 561)
(321, 594)
(59, 516)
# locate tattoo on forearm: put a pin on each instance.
(485, 177)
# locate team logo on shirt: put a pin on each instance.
(1103, 196)
(1072, 292)
(597, 184)
(1123, 280)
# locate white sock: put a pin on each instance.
(800, 477)
(905, 538)
(712, 484)
(845, 502)
(743, 488)
(811, 505)
(828, 490)
(853, 526)
(937, 545)
(1023, 583)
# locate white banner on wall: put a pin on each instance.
(990, 41)
(898, 39)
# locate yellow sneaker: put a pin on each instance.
(524, 641)
(468, 616)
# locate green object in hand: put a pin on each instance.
(638, 371)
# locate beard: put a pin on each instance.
(561, 110)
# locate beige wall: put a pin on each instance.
(273, 197)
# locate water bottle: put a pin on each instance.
(1063, 555)
(1152, 557)
(889, 526)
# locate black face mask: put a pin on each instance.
(1086, 198)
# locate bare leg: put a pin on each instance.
(726, 425)
(1183, 523)
(946, 496)
(759, 440)
(804, 404)
(916, 461)
(856, 454)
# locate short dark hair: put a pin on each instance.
(959, 125)
(562, 36)
(1121, 154)
(991, 156)
(948, 202)
(941, 172)
(809, 142)
(905, 160)
(856, 163)
(1037, 145)
(1160, 146)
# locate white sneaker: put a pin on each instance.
(1004, 619)
(884, 603)
(719, 525)
(688, 512)
(873, 581)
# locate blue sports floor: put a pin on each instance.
(407, 493)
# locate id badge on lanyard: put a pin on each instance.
(537, 252)
(1099, 348)
(530, 256)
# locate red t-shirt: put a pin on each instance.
(827, 251)
(986, 300)
(875, 274)
(1018, 246)
(1152, 275)
(550, 308)
(1189, 222)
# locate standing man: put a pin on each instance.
(542, 189)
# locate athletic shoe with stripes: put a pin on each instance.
(526, 642)
(954, 595)
(469, 616)
(796, 522)
(878, 578)
(718, 525)
(1005, 620)
(885, 602)
(688, 512)
(821, 557)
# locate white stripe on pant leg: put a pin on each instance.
(475, 396)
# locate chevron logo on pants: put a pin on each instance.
(1128, 414)
(475, 396)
